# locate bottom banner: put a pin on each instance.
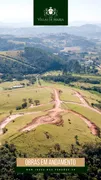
(51, 169)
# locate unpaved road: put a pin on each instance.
(84, 103)
(54, 115)
(94, 129)
(11, 118)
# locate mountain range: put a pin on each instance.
(87, 30)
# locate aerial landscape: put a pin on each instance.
(50, 89)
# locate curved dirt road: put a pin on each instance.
(83, 102)
(54, 115)
(94, 129)
(11, 118)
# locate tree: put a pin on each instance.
(37, 102)
(5, 130)
(57, 147)
(24, 105)
(30, 100)
(18, 107)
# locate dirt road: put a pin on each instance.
(54, 115)
(93, 128)
(83, 103)
(11, 118)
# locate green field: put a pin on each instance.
(88, 113)
(35, 142)
(14, 126)
(90, 97)
(10, 53)
(10, 99)
(3, 116)
(68, 94)
(86, 85)
(88, 76)
(13, 83)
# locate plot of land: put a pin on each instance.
(63, 114)
(65, 136)
(10, 99)
(88, 113)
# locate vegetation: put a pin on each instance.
(16, 96)
(57, 134)
(71, 65)
(8, 155)
(69, 78)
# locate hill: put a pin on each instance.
(87, 30)
(30, 61)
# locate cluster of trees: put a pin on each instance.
(71, 41)
(97, 105)
(72, 66)
(75, 66)
(25, 103)
(32, 79)
(91, 81)
(13, 69)
(94, 88)
(68, 78)
(91, 152)
(42, 61)
(61, 78)
(34, 60)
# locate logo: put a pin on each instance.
(51, 12)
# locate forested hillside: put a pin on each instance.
(8, 154)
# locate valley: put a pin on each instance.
(50, 98)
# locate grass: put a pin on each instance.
(13, 83)
(87, 85)
(88, 76)
(88, 113)
(17, 59)
(68, 95)
(3, 116)
(37, 108)
(35, 142)
(14, 126)
(53, 73)
(91, 97)
(10, 99)
(74, 48)
(10, 53)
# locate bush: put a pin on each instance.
(24, 105)
(18, 107)
(5, 130)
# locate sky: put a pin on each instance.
(18, 11)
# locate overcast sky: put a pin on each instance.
(22, 10)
